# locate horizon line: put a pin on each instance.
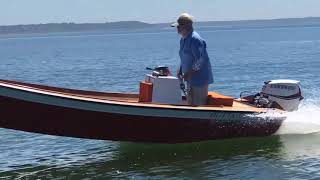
(263, 19)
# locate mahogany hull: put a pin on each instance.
(56, 115)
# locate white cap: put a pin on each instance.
(183, 19)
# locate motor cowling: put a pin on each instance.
(283, 93)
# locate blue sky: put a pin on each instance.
(151, 11)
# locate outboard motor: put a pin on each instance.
(282, 94)
(286, 93)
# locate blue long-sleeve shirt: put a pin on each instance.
(194, 56)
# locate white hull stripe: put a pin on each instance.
(112, 108)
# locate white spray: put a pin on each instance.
(305, 120)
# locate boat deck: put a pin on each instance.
(122, 98)
(236, 103)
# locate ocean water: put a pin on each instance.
(242, 60)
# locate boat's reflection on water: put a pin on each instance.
(211, 159)
(200, 150)
(181, 160)
(208, 159)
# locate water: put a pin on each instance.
(242, 60)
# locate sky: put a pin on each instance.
(14, 12)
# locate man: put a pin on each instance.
(195, 66)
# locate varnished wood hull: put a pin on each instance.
(48, 110)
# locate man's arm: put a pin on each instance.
(197, 50)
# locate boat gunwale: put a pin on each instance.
(28, 87)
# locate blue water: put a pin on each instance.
(242, 60)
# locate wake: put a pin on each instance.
(304, 121)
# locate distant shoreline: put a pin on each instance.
(136, 25)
